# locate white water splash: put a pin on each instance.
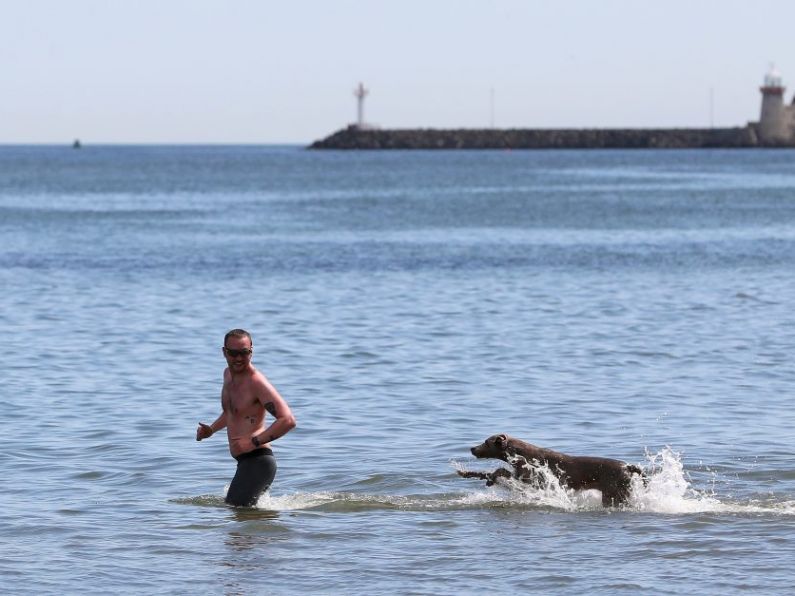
(292, 502)
(295, 501)
(667, 489)
(547, 492)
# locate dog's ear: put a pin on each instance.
(501, 441)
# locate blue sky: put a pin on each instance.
(244, 71)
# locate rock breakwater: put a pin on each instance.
(354, 137)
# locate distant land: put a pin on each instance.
(775, 128)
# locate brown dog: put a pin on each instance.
(610, 476)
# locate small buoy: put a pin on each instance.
(76, 144)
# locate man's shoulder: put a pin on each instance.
(258, 376)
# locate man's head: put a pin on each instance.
(238, 333)
(237, 349)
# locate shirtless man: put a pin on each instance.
(245, 398)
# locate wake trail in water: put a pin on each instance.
(666, 490)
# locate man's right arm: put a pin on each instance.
(205, 431)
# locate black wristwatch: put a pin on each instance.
(255, 440)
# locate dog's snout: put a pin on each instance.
(472, 450)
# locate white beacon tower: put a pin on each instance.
(773, 117)
(360, 92)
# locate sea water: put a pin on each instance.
(626, 304)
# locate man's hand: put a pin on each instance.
(204, 431)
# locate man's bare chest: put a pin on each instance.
(239, 401)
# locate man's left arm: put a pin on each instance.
(276, 406)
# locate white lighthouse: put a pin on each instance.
(360, 93)
(775, 119)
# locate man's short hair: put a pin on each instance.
(238, 333)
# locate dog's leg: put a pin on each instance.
(489, 477)
(496, 474)
(478, 475)
(633, 469)
(617, 494)
(619, 489)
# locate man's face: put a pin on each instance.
(237, 352)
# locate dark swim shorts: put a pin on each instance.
(255, 472)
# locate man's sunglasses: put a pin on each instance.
(232, 353)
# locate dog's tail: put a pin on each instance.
(633, 469)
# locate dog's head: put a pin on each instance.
(496, 446)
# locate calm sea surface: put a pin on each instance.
(636, 305)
